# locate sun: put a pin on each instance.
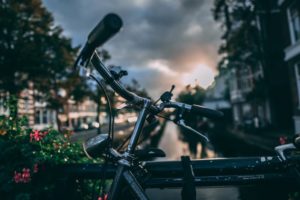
(201, 74)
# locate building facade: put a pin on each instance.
(217, 95)
(248, 110)
(290, 10)
(259, 82)
(40, 116)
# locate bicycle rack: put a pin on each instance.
(188, 191)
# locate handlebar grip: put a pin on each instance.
(105, 29)
(206, 112)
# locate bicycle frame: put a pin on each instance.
(126, 162)
(123, 171)
(241, 175)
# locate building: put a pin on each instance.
(40, 116)
(248, 110)
(259, 80)
(290, 10)
(217, 95)
(270, 21)
(80, 115)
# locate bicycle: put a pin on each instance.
(130, 175)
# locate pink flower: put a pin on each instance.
(37, 135)
(45, 133)
(26, 175)
(35, 168)
(18, 177)
(23, 177)
(105, 197)
(282, 140)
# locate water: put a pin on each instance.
(229, 146)
(174, 148)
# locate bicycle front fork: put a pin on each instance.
(123, 179)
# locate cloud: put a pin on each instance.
(192, 4)
(154, 80)
(160, 35)
(193, 29)
(202, 75)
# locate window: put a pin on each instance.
(37, 117)
(297, 72)
(294, 21)
(52, 117)
(26, 104)
(245, 79)
(45, 117)
(1, 106)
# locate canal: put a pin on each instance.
(174, 148)
(221, 145)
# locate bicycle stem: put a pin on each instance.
(138, 127)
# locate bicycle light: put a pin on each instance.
(94, 147)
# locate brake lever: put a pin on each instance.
(280, 150)
(182, 124)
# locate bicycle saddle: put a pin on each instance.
(150, 153)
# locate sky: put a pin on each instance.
(162, 42)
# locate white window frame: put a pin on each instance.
(297, 76)
(291, 27)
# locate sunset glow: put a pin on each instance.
(202, 75)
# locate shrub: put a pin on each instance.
(26, 152)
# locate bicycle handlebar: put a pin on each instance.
(206, 112)
(105, 29)
(195, 109)
(117, 87)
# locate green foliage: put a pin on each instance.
(34, 50)
(294, 196)
(192, 95)
(26, 152)
(241, 37)
(31, 47)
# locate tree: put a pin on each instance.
(193, 95)
(241, 36)
(243, 49)
(33, 49)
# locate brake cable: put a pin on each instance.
(111, 121)
(166, 118)
(110, 131)
(128, 137)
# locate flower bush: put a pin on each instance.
(25, 152)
